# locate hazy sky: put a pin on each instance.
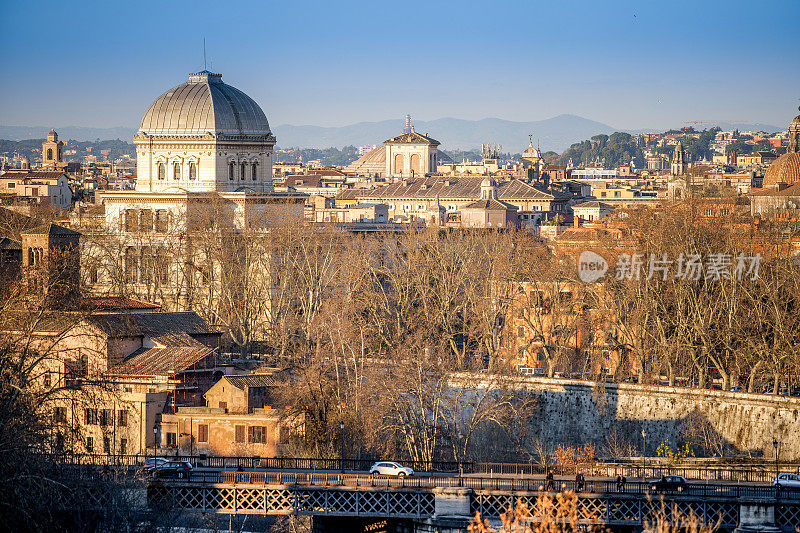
(632, 65)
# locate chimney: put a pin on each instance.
(576, 221)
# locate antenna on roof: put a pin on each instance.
(204, 54)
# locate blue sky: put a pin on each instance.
(629, 64)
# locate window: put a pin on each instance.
(122, 418)
(176, 171)
(231, 170)
(202, 433)
(162, 171)
(521, 331)
(11, 184)
(47, 379)
(242, 170)
(106, 445)
(172, 439)
(89, 445)
(239, 433)
(131, 220)
(192, 171)
(161, 220)
(258, 434)
(60, 414)
(255, 171)
(131, 265)
(49, 153)
(90, 417)
(421, 207)
(146, 220)
(106, 417)
(123, 446)
(223, 405)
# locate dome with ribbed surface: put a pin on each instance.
(204, 104)
(785, 169)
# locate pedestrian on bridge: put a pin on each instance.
(549, 478)
(580, 481)
(621, 483)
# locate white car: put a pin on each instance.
(787, 480)
(388, 468)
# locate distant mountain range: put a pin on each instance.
(556, 133)
(78, 133)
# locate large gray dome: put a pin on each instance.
(204, 104)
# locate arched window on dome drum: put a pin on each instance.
(231, 170)
(176, 171)
(255, 171)
(243, 169)
(415, 164)
(399, 166)
(162, 171)
(192, 171)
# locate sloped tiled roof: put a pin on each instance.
(152, 324)
(174, 338)
(9, 244)
(160, 361)
(251, 380)
(50, 229)
(107, 303)
(33, 174)
(595, 203)
(412, 137)
(463, 188)
(490, 205)
(792, 190)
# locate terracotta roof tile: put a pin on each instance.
(160, 361)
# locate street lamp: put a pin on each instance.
(155, 440)
(644, 452)
(341, 439)
(775, 445)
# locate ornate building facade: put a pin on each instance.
(204, 162)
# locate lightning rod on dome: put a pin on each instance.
(204, 54)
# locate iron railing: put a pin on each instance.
(527, 484)
(756, 473)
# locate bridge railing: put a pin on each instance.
(325, 479)
(757, 473)
(751, 474)
(274, 463)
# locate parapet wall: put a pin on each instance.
(576, 412)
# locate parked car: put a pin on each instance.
(389, 468)
(668, 483)
(177, 469)
(787, 480)
(154, 462)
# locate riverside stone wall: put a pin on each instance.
(576, 412)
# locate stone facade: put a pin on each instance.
(575, 412)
